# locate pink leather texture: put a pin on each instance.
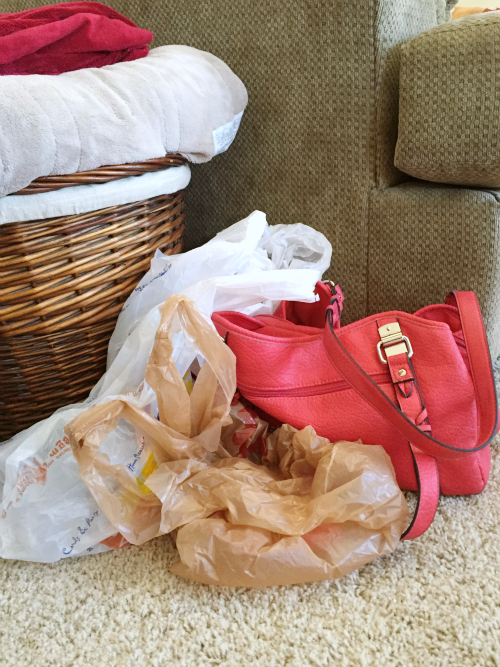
(412, 404)
(302, 370)
(428, 494)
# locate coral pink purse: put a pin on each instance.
(420, 385)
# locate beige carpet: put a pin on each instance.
(436, 601)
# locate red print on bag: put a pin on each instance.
(35, 473)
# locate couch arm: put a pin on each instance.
(449, 109)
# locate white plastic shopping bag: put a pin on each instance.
(248, 248)
(46, 512)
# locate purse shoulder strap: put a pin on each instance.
(481, 371)
(479, 360)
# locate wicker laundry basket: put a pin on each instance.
(63, 282)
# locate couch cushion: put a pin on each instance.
(413, 263)
(449, 121)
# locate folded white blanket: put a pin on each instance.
(175, 100)
(85, 198)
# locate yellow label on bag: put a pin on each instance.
(188, 381)
(148, 470)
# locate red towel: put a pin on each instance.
(66, 37)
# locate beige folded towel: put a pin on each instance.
(175, 100)
(460, 12)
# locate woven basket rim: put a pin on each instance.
(104, 174)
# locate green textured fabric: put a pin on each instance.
(426, 240)
(449, 124)
(395, 24)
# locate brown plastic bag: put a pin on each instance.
(189, 427)
(246, 436)
(325, 511)
(314, 511)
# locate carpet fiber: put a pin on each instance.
(436, 601)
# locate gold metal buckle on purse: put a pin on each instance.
(393, 342)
